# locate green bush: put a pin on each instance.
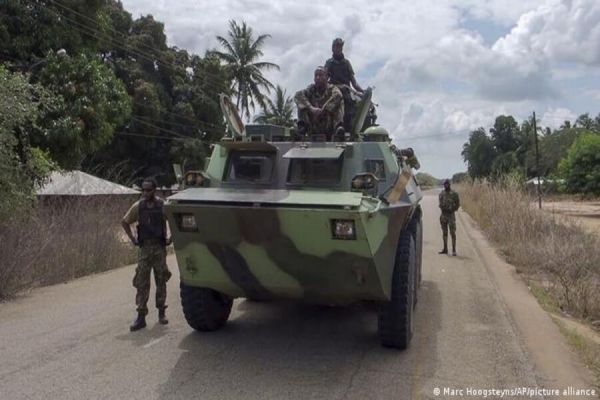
(581, 167)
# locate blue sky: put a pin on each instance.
(440, 68)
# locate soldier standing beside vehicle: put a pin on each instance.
(341, 74)
(320, 106)
(152, 241)
(449, 204)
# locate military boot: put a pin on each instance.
(454, 251)
(445, 249)
(162, 318)
(139, 323)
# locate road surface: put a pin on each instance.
(477, 328)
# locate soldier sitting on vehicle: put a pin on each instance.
(341, 74)
(320, 108)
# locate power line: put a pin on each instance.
(146, 56)
(435, 136)
(164, 129)
(158, 127)
(124, 46)
(180, 116)
(154, 57)
(156, 136)
(168, 122)
(94, 21)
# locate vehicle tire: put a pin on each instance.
(204, 309)
(396, 317)
(420, 252)
(416, 227)
(418, 258)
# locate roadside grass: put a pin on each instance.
(544, 297)
(60, 241)
(588, 350)
(548, 248)
(555, 255)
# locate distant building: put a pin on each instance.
(77, 185)
(548, 186)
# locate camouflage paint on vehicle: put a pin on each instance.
(272, 236)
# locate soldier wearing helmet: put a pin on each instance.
(341, 74)
(449, 204)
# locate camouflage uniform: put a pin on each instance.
(151, 254)
(331, 103)
(151, 257)
(449, 204)
(340, 72)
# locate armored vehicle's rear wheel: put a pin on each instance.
(396, 317)
(204, 309)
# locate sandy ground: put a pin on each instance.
(477, 328)
(585, 213)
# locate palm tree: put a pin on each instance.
(280, 112)
(566, 125)
(240, 56)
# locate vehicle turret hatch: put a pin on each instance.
(231, 116)
(361, 112)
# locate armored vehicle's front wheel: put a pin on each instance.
(418, 235)
(396, 317)
(204, 309)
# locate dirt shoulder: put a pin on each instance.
(549, 350)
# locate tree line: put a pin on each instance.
(83, 85)
(568, 156)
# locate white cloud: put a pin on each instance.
(432, 77)
(555, 117)
(559, 30)
(497, 11)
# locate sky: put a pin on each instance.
(439, 68)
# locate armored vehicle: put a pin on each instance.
(273, 216)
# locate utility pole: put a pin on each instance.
(537, 161)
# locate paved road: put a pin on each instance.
(72, 341)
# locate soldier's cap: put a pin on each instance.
(321, 69)
(446, 181)
(338, 41)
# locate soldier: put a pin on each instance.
(449, 204)
(152, 241)
(321, 107)
(341, 74)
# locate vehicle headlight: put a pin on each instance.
(343, 229)
(187, 222)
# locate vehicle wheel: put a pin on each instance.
(396, 317)
(420, 252)
(418, 258)
(204, 309)
(416, 227)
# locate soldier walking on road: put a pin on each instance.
(152, 241)
(449, 204)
